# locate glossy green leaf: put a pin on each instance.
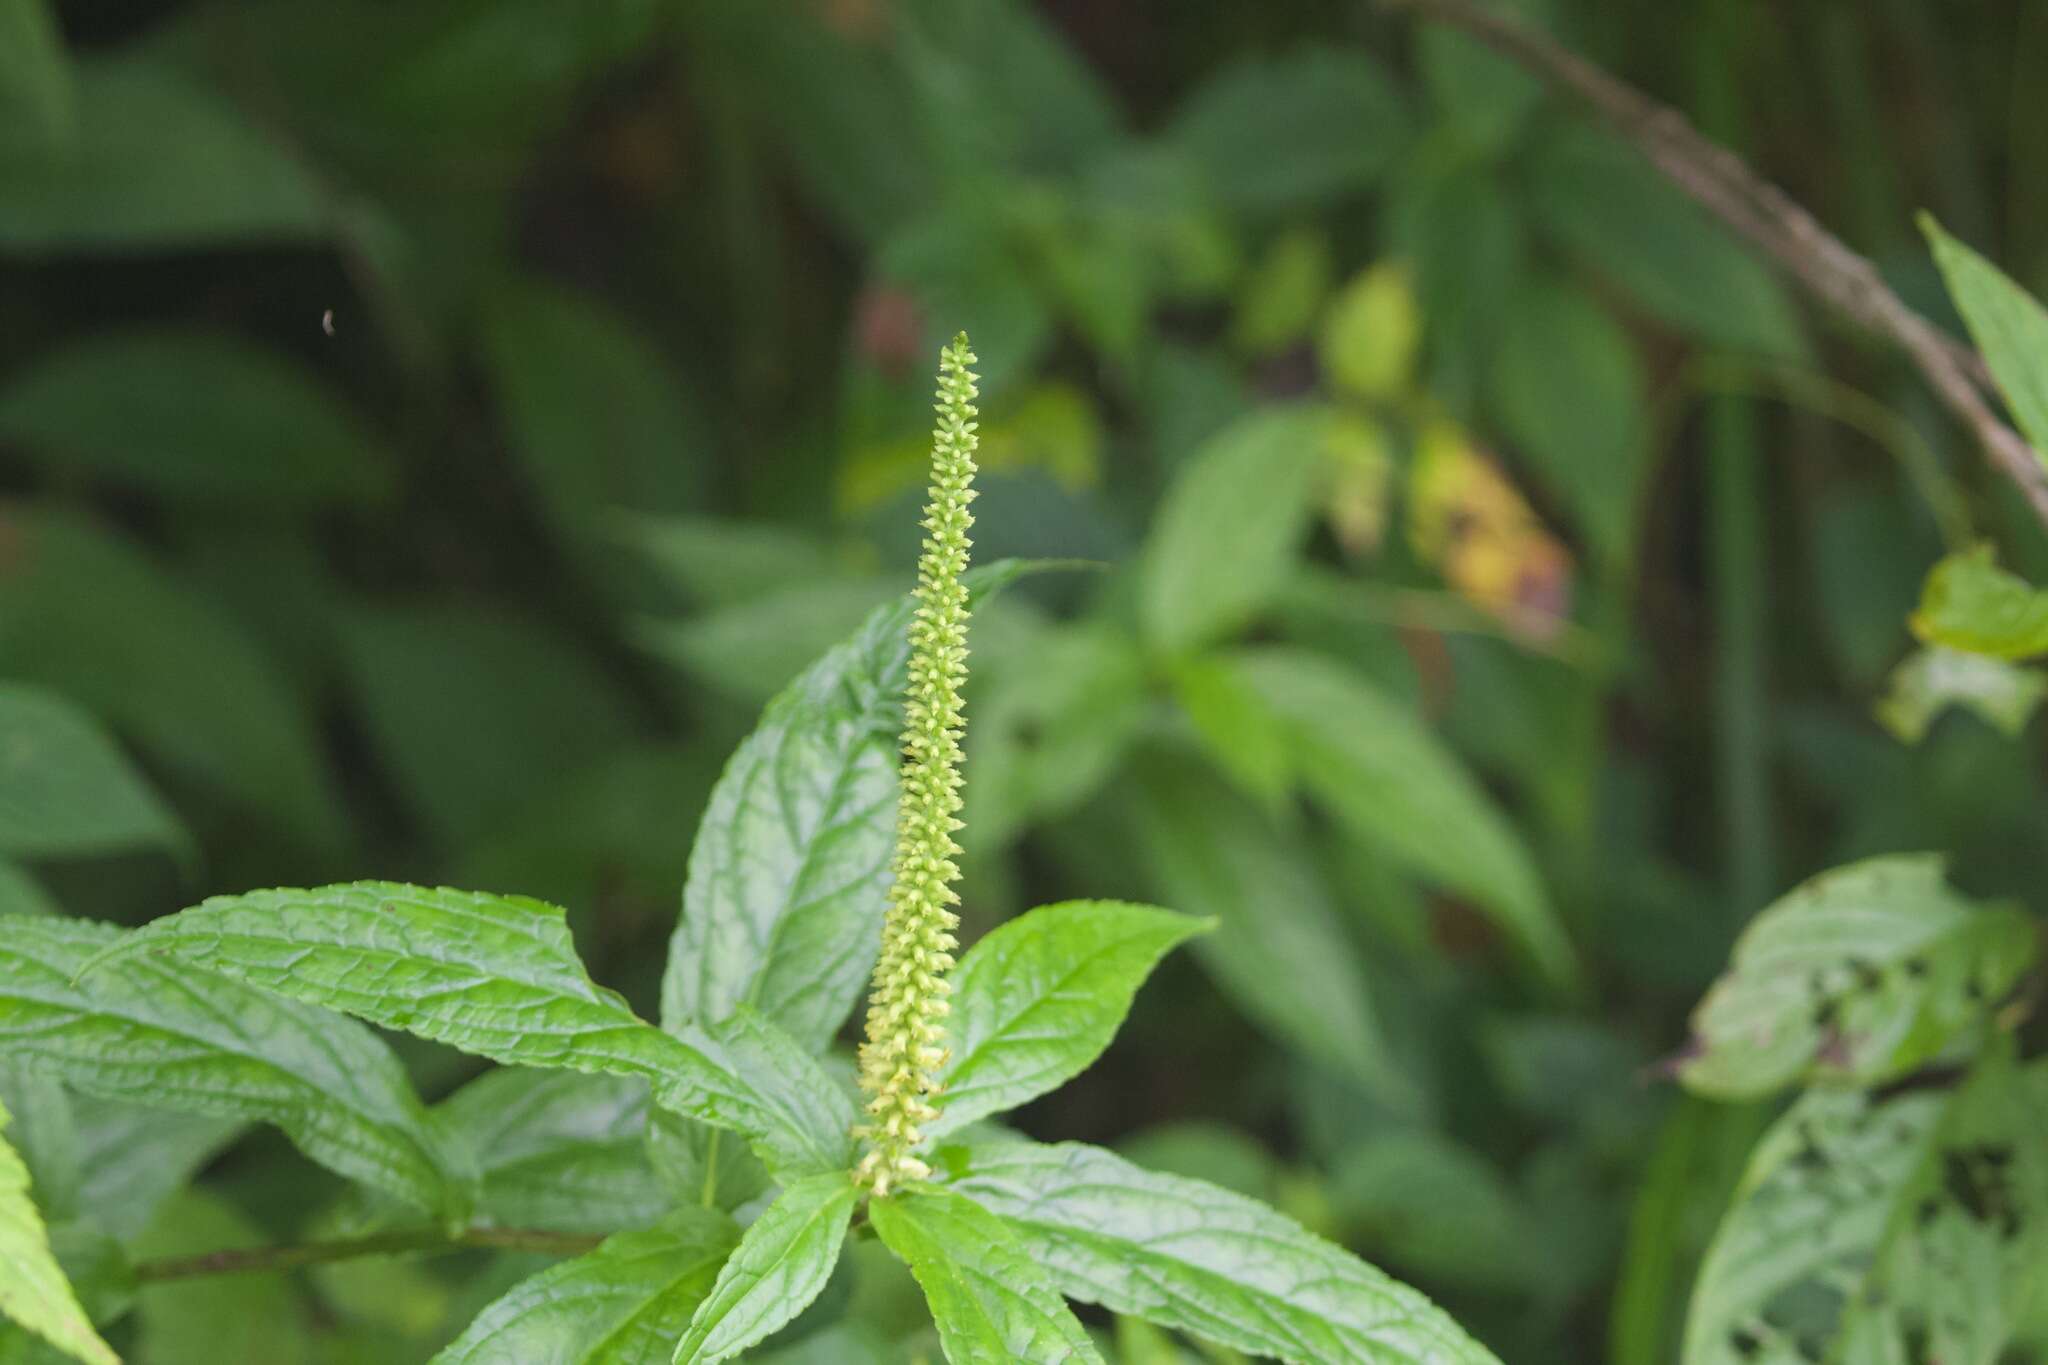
(1881, 1229)
(35, 75)
(1200, 1259)
(780, 1265)
(65, 788)
(558, 1149)
(1337, 113)
(2009, 325)
(1570, 395)
(1855, 977)
(142, 1031)
(1037, 1000)
(1932, 680)
(1599, 199)
(1970, 604)
(991, 1304)
(33, 1290)
(1279, 951)
(1231, 526)
(1391, 782)
(86, 613)
(194, 415)
(156, 162)
(622, 1304)
(782, 909)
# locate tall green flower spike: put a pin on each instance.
(906, 1027)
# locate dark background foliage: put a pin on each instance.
(430, 431)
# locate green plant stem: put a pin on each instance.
(421, 1241)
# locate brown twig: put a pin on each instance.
(1726, 187)
(256, 1260)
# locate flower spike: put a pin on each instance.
(906, 1029)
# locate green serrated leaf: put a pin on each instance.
(991, 1304)
(157, 161)
(558, 1149)
(622, 1304)
(1231, 526)
(1855, 977)
(1881, 1229)
(1200, 1259)
(1036, 1001)
(781, 1264)
(163, 1034)
(65, 788)
(782, 909)
(195, 415)
(1972, 605)
(33, 1290)
(2008, 325)
(1279, 951)
(1392, 783)
(1932, 680)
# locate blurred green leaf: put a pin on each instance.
(993, 1306)
(21, 893)
(750, 649)
(1391, 782)
(558, 1149)
(1456, 220)
(780, 1265)
(33, 1289)
(86, 613)
(2008, 324)
(35, 74)
(1486, 96)
(1239, 730)
(131, 1158)
(1205, 1260)
(961, 268)
(66, 789)
(1597, 198)
(1972, 605)
(727, 561)
(158, 162)
(1279, 951)
(1231, 526)
(194, 414)
(467, 705)
(1279, 297)
(1569, 391)
(1339, 117)
(1932, 680)
(1213, 1152)
(152, 1032)
(598, 417)
(1856, 977)
(1369, 338)
(1429, 1206)
(224, 1317)
(1916, 1219)
(1039, 998)
(622, 1304)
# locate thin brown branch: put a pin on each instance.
(258, 1260)
(1726, 187)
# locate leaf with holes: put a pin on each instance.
(1855, 977)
